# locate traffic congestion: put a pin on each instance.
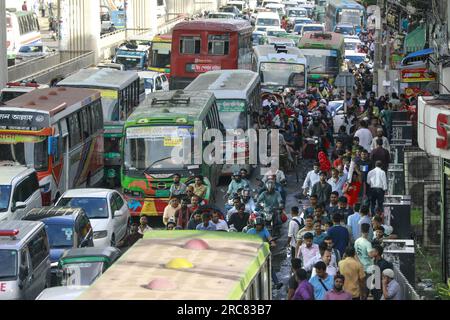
(233, 133)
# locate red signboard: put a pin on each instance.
(443, 131)
(417, 75)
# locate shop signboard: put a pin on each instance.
(417, 75)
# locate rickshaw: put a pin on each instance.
(82, 266)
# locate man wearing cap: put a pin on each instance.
(391, 288)
(380, 135)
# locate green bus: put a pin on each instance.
(121, 93)
(189, 265)
(164, 124)
(325, 53)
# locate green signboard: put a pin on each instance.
(231, 105)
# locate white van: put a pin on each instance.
(19, 191)
(152, 81)
(266, 21)
(25, 260)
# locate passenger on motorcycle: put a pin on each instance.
(261, 231)
(236, 204)
(236, 184)
(239, 219)
(270, 199)
(246, 198)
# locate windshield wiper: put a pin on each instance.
(150, 166)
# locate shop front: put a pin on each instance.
(434, 139)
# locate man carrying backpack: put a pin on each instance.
(295, 225)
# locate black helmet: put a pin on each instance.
(259, 221)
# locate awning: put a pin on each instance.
(418, 54)
(415, 40)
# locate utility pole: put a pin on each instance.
(378, 40)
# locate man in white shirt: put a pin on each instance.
(221, 225)
(380, 135)
(364, 135)
(311, 179)
(279, 176)
(294, 227)
(326, 257)
(308, 250)
(377, 181)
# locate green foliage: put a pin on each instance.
(444, 290)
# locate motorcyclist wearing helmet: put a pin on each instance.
(261, 231)
(315, 128)
(236, 184)
(270, 198)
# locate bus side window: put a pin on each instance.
(74, 129)
(98, 115)
(84, 124)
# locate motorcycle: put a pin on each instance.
(271, 217)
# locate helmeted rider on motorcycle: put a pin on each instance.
(270, 199)
(235, 185)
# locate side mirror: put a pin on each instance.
(23, 273)
(19, 206)
(117, 213)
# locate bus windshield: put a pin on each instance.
(5, 195)
(161, 54)
(350, 16)
(130, 63)
(268, 22)
(322, 61)
(29, 151)
(153, 148)
(8, 267)
(233, 114)
(60, 235)
(283, 74)
(297, 13)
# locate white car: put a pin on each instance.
(355, 58)
(351, 43)
(153, 81)
(107, 210)
(312, 27)
(33, 51)
(62, 293)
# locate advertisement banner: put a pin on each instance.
(201, 68)
(417, 75)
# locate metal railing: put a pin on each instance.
(31, 66)
(407, 291)
(71, 62)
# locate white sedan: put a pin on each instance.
(106, 209)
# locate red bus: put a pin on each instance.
(205, 45)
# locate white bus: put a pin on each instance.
(238, 94)
(280, 67)
(59, 133)
(22, 28)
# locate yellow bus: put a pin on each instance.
(160, 54)
(188, 265)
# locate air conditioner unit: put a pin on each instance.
(419, 169)
(432, 216)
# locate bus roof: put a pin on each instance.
(348, 4)
(332, 39)
(219, 25)
(162, 38)
(233, 84)
(100, 78)
(221, 272)
(172, 104)
(269, 52)
(52, 100)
